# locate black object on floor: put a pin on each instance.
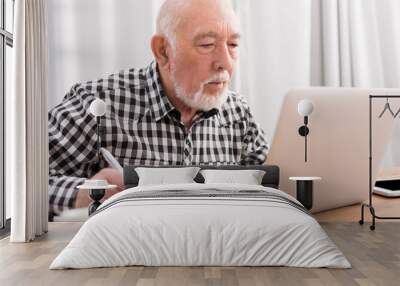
(388, 188)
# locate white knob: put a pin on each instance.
(305, 107)
(98, 107)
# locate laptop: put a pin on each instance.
(338, 143)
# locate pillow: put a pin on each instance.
(162, 176)
(248, 177)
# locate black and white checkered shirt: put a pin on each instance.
(142, 127)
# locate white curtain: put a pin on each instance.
(26, 119)
(297, 43)
(89, 39)
(360, 43)
(360, 47)
(274, 54)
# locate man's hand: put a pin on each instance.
(112, 176)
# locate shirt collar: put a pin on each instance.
(160, 105)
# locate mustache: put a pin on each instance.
(220, 77)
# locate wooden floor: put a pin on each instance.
(383, 207)
(374, 255)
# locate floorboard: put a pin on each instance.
(375, 256)
(383, 207)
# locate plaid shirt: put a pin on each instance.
(142, 127)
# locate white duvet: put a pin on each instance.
(202, 231)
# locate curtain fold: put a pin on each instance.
(26, 117)
(360, 47)
(359, 43)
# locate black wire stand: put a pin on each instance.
(370, 203)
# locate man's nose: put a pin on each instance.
(223, 59)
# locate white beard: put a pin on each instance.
(199, 100)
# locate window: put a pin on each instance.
(6, 44)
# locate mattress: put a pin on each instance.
(201, 225)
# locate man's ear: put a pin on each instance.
(159, 46)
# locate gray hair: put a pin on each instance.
(169, 18)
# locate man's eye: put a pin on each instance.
(233, 45)
(207, 45)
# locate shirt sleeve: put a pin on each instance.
(72, 141)
(255, 146)
(62, 192)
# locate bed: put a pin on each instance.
(201, 223)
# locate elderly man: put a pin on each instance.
(176, 111)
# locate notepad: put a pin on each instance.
(112, 162)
